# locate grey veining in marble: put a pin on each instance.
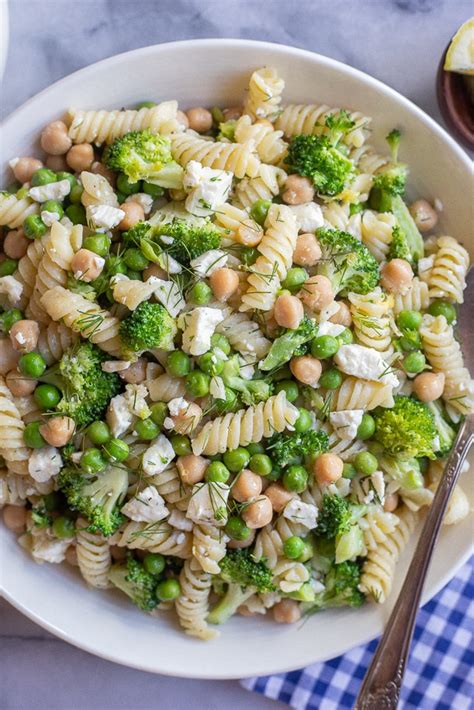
(398, 41)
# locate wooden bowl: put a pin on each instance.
(456, 103)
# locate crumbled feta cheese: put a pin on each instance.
(170, 265)
(365, 363)
(208, 188)
(44, 463)
(305, 514)
(198, 327)
(309, 217)
(378, 483)
(49, 218)
(346, 422)
(147, 506)
(316, 585)
(169, 295)
(166, 239)
(98, 264)
(76, 457)
(205, 264)
(50, 549)
(51, 191)
(102, 217)
(208, 503)
(144, 200)
(115, 365)
(328, 328)
(135, 397)
(20, 338)
(179, 520)
(11, 288)
(118, 416)
(158, 456)
(217, 388)
(177, 405)
(247, 370)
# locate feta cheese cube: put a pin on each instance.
(118, 416)
(198, 327)
(305, 514)
(179, 520)
(49, 217)
(217, 388)
(365, 363)
(346, 422)
(169, 295)
(51, 191)
(328, 328)
(11, 288)
(158, 456)
(208, 188)
(147, 506)
(208, 503)
(205, 264)
(103, 217)
(309, 217)
(44, 463)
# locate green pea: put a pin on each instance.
(52, 501)
(9, 319)
(295, 479)
(324, 346)
(366, 427)
(116, 450)
(259, 211)
(63, 527)
(236, 528)
(200, 294)
(227, 404)
(43, 176)
(154, 563)
(293, 547)
(32, 365)
(409, 320)
(159, 412)
(13, 188)
(295, 278)
(63, 175)
(220, 342)
(34, 227)
(304, 421)
(32, 436)
(414, 363)
(53, 206)
(152, 190)
(47, 396)
(331, 379)
(128, 188)
(98, 243)
(98, 432)
(345, 337)
(146, 429)
(249, 255)
(76, 214)
(217, 115)
(349, 471)
(217, 472)
(255, 449)
(410, 341)
(211, 364)
(307, 553)
(261, 464)
(120, 197)
(92, 461)
(275, 474)
(443, 308)
(135, 275)
(197, 383)
(145, 104)
(76, 194)
(8, 267)
(366, 463)
(168, 590)
(237, 459)
(178, 363)
(134, 259)
(181, 444)
(290, 388)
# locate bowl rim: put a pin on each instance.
(350, 72)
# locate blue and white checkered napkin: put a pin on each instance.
(440, 673)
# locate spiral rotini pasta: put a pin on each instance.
(28, 408)
(239, 158)
(264, 94)
(458, 505)
(310, 119)
(54, 340)
(367, 160)
(169, 485)
(377, 525)
(93, 556)
(209, 546)
(337, 216)
(12, 445)
(97, 190)
(132, 292)
(27, 270)
(193, 604)
(155, 537)
(370, 316)
(232, 218)
(268, 142)
(14, 211)
(377, 233)
(265, 186)
(447, 278)
(415, 299)
(244, 335)
(15, 489)
(362, 394)
(164, 388)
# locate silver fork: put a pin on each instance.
(380, 689)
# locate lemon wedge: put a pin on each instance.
(460, 55)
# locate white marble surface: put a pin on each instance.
(398, 41)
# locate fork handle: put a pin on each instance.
(380, 689)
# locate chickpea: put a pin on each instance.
(307, 251)
(71, 556)
(429, 386)
(133, 213)
(191, 468)
(241, 544)
(233, 113)
(119, 554)
(327, 468)
(14, 517)
(298, 190)
(317, 292)
(306, 369)
(136, 373)
(80, 157)
(188, 419)
(86, 265)
(16, 244)
(154, 270)
(200, 119)
(8, 356)
(390, 502)
(396, 275)
(258, 513)
(99, 169)
(224, 282)
(248, 236)
(425, 216)
(25, 168)
(182, 119)
(57, 163)
(243, 611)
(288, 311)
(343, 315)
(55, 139)
(58, 430)
(248, 485)
(20, 385)
(279, 496)
(286, 612)
(24, 335)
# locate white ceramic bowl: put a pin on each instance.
(207, 73)
(4, 31)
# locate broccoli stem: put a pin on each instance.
(228, 605)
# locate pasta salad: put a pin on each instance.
(229, 371)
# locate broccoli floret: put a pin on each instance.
(317, 158)
(286, 447)
(142, 155)
(244, 577)
(341, 588)
(409, 229)
(86, 389)
(407, 473)
(339, 125)
(133, 580)
(285, 346)
(399, 248)
(445, 432)
(148, 326)
(407, 430)
(40, 516)
(346, 262)
(251, 391)
(227, 130)
(82, 287)
(335, 517)
(387, 184)
(393, 140)
(98, 497)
